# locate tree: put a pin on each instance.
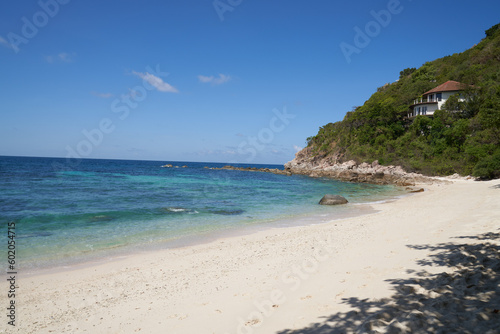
(490, 32)
(406, 72)
(453, 103)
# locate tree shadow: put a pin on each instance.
(485, 236)
(465, 299)
(496, 186)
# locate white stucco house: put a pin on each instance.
(432, 100)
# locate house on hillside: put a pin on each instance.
(433, 100)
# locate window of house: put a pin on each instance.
(424, 110)
(439, 96)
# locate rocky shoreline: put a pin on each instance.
(350, 171)
(373, 173)
(306, 163)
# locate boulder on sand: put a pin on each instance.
(333, 200)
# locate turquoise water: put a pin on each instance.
(68, 211)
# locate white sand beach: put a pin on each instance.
(374, 272)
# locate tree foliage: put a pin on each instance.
(462, 138)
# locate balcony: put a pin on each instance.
(427, 99)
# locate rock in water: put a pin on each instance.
(333, 200)
(415, 190)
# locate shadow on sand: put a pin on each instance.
(464, 300)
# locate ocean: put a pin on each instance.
(72, 211)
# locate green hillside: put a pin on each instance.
(465, 142)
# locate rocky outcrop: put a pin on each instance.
(306, 163)
(254, 169)
(333, 200)
(332, 166)
(349, 172)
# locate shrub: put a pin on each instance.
(488, 168)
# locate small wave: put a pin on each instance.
(373, 202)
(382, 201)
(179, 210)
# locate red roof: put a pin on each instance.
(448, 86)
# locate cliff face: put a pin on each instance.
(306, 159)
(306, 163)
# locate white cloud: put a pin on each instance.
(156, 82)
(297, 148)
(61, 57)
(65, 57)
(214, 80)
(205, 79)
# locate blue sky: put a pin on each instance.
(214, 81)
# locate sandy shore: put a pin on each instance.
(374, 272)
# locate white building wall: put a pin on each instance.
(432, 108)
(446, 96)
